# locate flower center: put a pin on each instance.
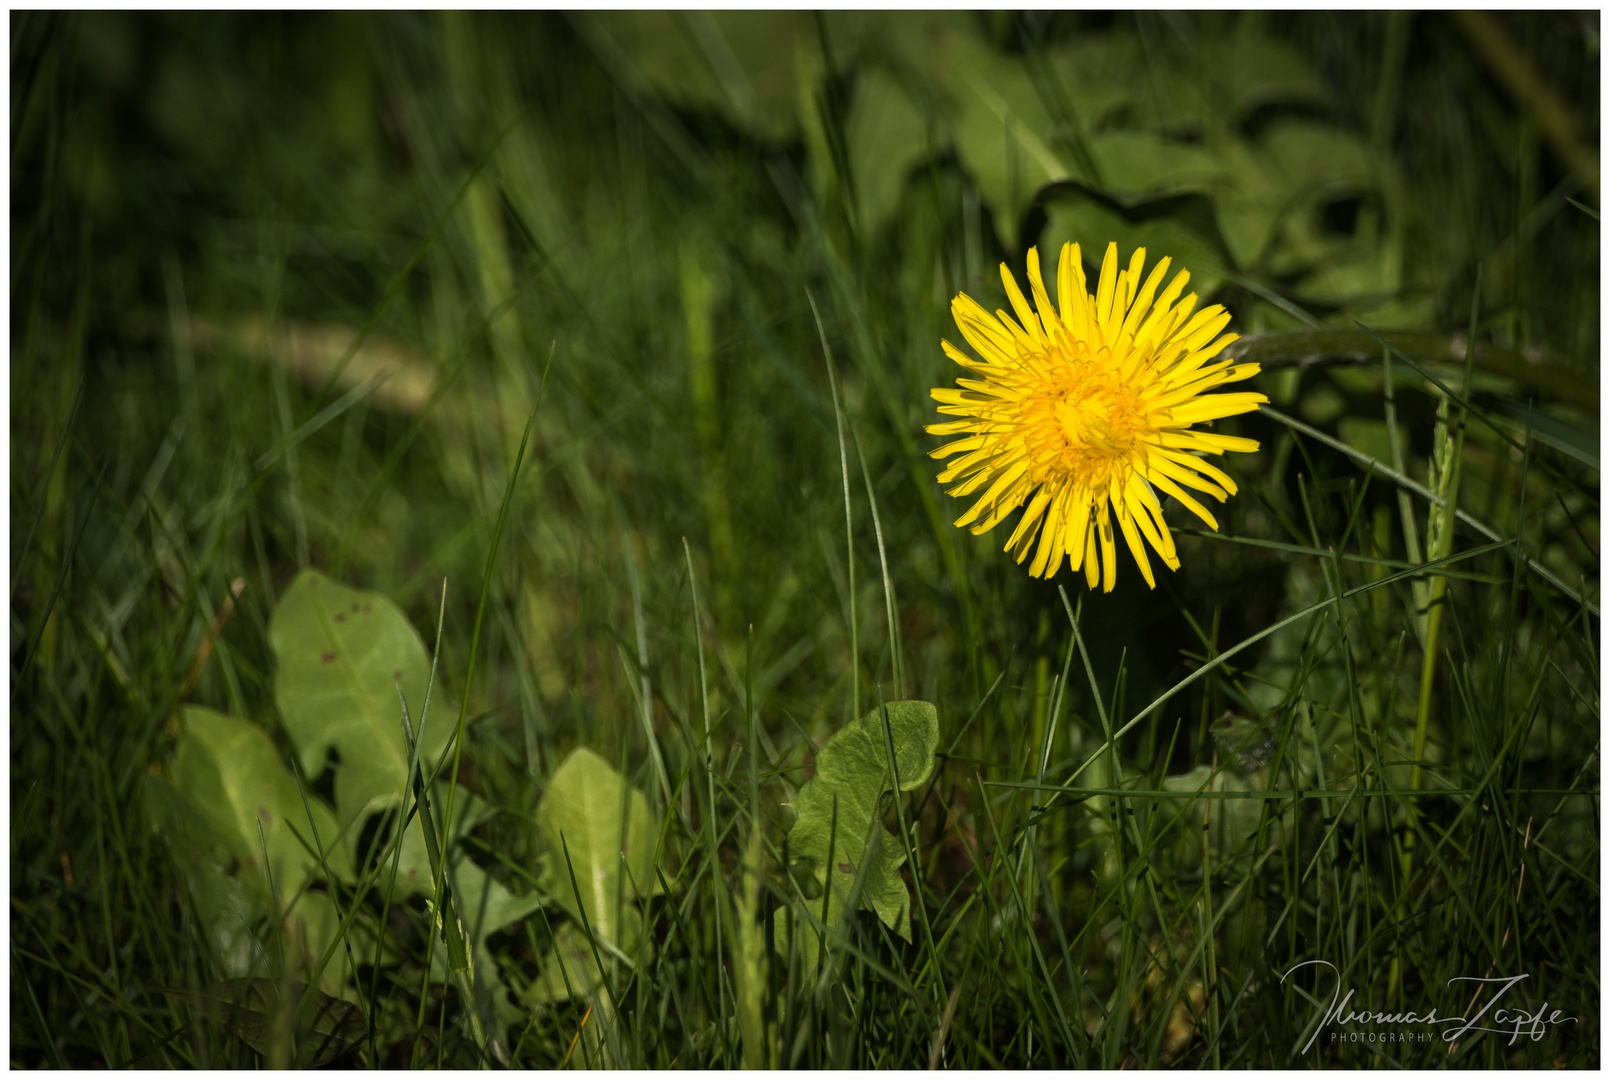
(1089, 423)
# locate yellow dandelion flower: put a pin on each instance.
(1085, 414)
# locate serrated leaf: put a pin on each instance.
(487, 907)
(568, 970)
(839, 827)
(227, 779)
(484, 905)
(339, 653)
(1138, 164)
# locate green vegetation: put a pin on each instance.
(477, 578)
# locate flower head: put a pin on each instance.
(1084, 411)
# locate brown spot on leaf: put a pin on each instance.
(846, 868)
(354, 605)
(327, 658)
(367, 608)
(340, 616)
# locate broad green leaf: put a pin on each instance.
(1096, 74)
(339, 654)
(1288, 178)
(1138, 164)
(485, 906)
(1002, 132)
(261, 1011)
(229, 899)
(738, 64)
(1091, 224)
(1103, 109)
(839, 828)
(590, 814)
(444, 908)
(226, 780)
(570, 969)
(1229, 822)
(886, 136)
(1260, 70)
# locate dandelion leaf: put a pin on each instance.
(1230, 823)
(339, 655)
(483, 905)
(568, 971)
(598, 840)
(571, 968)
(888, 137)
(691, 59)
(839, 826)
(226, 780)
(592, 815)
(260, 1013)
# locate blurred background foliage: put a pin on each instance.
(285, 288)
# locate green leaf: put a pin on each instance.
(484, 905)
(886, 137)
(737, 64)
(260, 1011)
(570, 968)
(1002, 132)
(839, 828)
(603, 823)
(339, 654)
(226, 780)
(1135, 164)
(1288, 179)
(592, 816)
(1261, 70)
(445, 911)
(1229, 823)
(1073, 218)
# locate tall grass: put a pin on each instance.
(726, 540)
